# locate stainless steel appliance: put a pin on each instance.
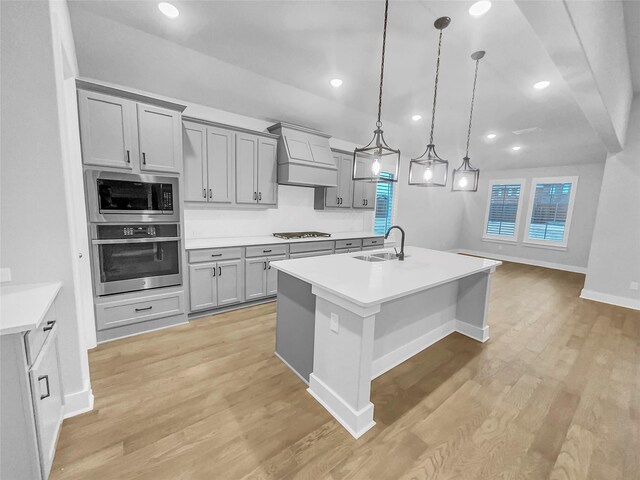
(128, 197)
(291, 235)
(134, 257)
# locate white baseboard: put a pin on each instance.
(525, 261)
(396, 357)
(291, 368)
(78, 402)
(357, 423)
(610, 299)
(471, 331)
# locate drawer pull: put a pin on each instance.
(348, 244)
(50, 325)
(267, 251)
(46, 379)
(143, 309)
(216, 255)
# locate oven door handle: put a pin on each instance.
(135, 240)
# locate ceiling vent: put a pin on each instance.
(526, 131)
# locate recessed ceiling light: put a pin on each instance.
(416, 117)
(541, 85)
(480, 8)
(516, 148)
(491, 136)
(336, 83)
(169, 11)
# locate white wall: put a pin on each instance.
(586, 201)
(614, 260)
(35, 237)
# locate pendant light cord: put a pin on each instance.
(473, 97)
(435, 90)
(384, 46)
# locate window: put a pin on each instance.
(503, 210)
(384, 205)
(550, 208)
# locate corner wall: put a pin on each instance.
(614, 260)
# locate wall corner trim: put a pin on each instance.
(78, 402)
(610, 299)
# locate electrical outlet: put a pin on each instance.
(335, 323)
(633, 286)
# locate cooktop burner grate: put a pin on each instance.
(290, 235)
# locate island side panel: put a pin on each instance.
(406, 326)
(473, 306)
(295, 320)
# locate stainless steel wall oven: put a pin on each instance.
(131, 257)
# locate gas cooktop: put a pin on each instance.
(290, 235)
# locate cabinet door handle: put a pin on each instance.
(255, 195)
(144, 158)
(337, 200)
(259, 195)
(210, 193)
(49, 326)
(265, 265)
(269, 264)
(46, 379)
(219, 271)
(214, 272)
(204, 193)
(128, 157)
(144, 309)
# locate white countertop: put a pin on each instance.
(23, 306)
(219, 242)
(372, 283)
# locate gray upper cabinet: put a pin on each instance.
(343, 195)
(364, 195)
(208, 164)
(256, 169)
(118, 131)
(160, 139)
(107, 130)
(196, 187)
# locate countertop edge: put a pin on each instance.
(269, 240)
(31, 325)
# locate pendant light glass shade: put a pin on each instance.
(377, 162)
(465, 177)
(429, 170)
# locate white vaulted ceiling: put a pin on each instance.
(287, 51)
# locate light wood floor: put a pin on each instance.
(554, 394)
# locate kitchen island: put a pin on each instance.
(344, 320)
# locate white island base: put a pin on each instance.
(342, 322)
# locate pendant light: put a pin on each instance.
(377, 162)
(465, 178)
(429, 170)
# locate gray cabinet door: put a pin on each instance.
(255, 278)
(220, 155)
(272, 275)
(267, 171)
(160, 139)
(246, 168)
(195, 162)
(345, 184)
(332, 194)
(203, 292)
(107, 130)
(229, 282)
(48, 399)
(370, 195)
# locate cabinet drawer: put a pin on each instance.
(310, 254)
(34, 339)
(214, 254)
(349, 250)
(311, 246)
(125, 312)
(353, 243)
(266, 250)
(369, 242)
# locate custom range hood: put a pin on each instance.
(304, 157)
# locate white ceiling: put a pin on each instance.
(304, 44)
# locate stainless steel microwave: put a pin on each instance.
(128, 197)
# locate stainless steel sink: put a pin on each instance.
(385, 255)
(370, 258)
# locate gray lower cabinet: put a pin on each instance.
(32, 401)
(261, 278)
(215, 284)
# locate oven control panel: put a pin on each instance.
(111, 232)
